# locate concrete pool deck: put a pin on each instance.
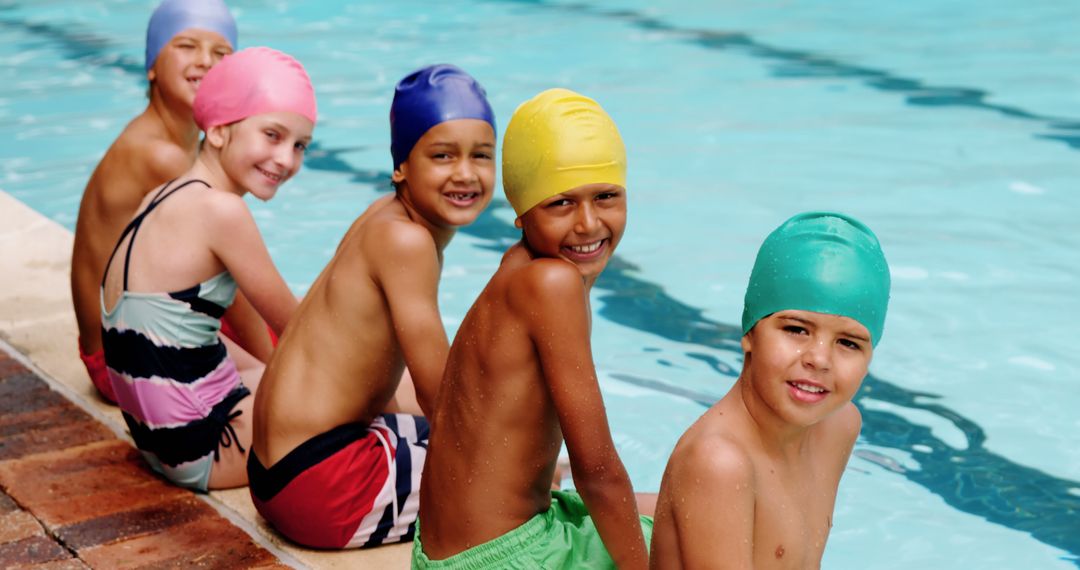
(39, 362)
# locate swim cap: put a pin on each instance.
(174, 16)
(822, 262)
(429, 96)
(251, 82)
(557, 141)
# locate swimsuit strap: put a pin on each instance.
(136, 223)
(124, 234)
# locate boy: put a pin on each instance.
(520, 375)
(184, 39)
(753, 482)
(330, 467)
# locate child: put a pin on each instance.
(331, 465)
(753, 482)
(184, 39)
(186, 404)
(520, 374)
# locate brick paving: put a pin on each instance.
(73, 495)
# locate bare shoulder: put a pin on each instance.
(842, 427)
(545, 282)
(149, 155)
(709, 455)
(403, 235)
(401, 242)
(165, 160)
(223, 210)
(398, 254)
(709, 498)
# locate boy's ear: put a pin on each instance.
(747, 342)
(151, 75)
(517, 222)
(399, 174)
(217, 136)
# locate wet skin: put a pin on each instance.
(755, 478)
(519, 379)
(374, 309)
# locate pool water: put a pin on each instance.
(951, 127)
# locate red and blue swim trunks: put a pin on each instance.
(355, 486)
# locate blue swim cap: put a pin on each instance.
(174, 16)
(429, 96)
(822, 262)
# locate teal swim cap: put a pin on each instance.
(822, 262)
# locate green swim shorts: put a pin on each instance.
(562, 537)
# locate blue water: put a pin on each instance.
(951, 127)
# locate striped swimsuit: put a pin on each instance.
(174, 381)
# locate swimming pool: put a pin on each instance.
(949, 126)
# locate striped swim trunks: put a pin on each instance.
(355, 486)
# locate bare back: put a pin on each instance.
(341, 358)
(496, 437)
(142, 158)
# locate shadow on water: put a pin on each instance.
(76, 45)
(799, 64)
(974, 480)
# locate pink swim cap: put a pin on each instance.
(250, 82)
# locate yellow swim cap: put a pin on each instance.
(557, 141)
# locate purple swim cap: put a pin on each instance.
(429, 96)
(250, 82)
(174, 16)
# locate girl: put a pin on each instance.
(187, 405)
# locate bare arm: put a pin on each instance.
(235, 240)
(408, 271)
(712, 505)
(553, 303)
(249, 328)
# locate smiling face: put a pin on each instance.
(804, 365)
(261, 152)
(183, 62)
(582, 225)
(450, 172)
